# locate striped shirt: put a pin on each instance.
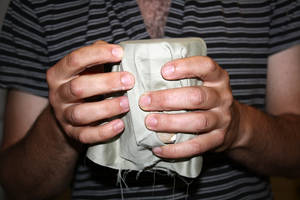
(240, 35)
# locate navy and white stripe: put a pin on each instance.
(240, 35)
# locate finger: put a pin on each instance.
(95, 134)
(201, 67)
(192, 147)
(100, 42)
(95, 84)
(86, 113)
(189, 122)
(188, 98)
(85, 57)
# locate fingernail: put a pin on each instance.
(118, 126)
(117, 52)
(168, 70)
(127, 81)
(124, 103)
(157, 150)
(151, 121)
(145, 100)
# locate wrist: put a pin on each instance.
(59, 134)
(242, 128)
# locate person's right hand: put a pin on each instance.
(69, 87)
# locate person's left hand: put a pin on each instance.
(212, 115)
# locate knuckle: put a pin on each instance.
(52, 98)
(228, 100)
(163, 101)
(49, 76)
(222, 138)
(219, 138)
(171, 149)
(73, 59)
(229, 96)
(75, 88)
(72, 132)
(226, 77)
(202, 123)
(197, 96)
(82, 137)
(76, 115)
(101, 135)
(197, 147)
(210, 64)
(227, 118)
(69, 130)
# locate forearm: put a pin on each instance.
(41, 164)
(268, 144)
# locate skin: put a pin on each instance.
(46, 143)
(155, 14)
(47, 140)
(265, 142)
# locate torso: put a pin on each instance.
(155, 14)
(240, 47)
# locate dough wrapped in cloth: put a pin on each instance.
(132, 149)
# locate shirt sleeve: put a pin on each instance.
(285, 25)
(23, 50)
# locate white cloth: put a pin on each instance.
(132, 150)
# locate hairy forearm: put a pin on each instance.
(41, 164)
(268, 144)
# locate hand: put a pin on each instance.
(213, 113)
(70, 85)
